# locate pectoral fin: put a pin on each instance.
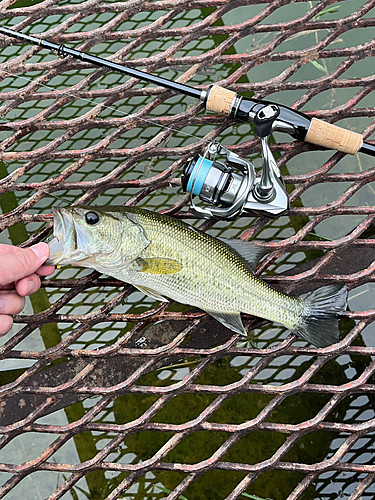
(151, 293)
(231, 320)
(157, 266)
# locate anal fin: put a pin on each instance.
(231, 320)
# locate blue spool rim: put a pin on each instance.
(198, 175)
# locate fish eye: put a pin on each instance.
(92, 218)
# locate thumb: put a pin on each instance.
(22, 262)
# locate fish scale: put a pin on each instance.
(167, 258)
(224, 284)
(227, 283)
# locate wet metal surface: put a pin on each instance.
(94, 133)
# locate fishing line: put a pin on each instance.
(214, 182)
(93, 102)
(115, 110)
(242, 196)
(53, 195)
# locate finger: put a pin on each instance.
(28, 285)
(4, 249)
(11, 303)
(6, 323)
(22, 262)
(45, 270)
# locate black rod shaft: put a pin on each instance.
(295, 123)
(99, 61)
(368, 148)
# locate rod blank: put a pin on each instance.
(64, 51)
(299, 125)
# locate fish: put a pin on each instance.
(166, 258)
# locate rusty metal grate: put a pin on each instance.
(105, 394)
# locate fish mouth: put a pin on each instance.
(62, 224)
(69, 240)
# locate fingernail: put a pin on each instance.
(31, 287)
(40, 250)
(3, 303)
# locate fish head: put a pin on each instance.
(103, 238)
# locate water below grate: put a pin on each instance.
(108, 394)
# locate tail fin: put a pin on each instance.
(319, 324)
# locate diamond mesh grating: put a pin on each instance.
(107, 394)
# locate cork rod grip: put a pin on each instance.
(220, 100)
(333, 137)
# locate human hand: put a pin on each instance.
(20, 269)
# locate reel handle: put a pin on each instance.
(264, 191)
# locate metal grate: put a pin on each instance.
(106, 394)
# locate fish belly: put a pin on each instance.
(215, 290)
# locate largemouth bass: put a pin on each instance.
(164, 257)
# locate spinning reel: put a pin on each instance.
(233, 186)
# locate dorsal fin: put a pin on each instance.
(250, 252)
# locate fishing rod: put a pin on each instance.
(232, 186)
(226, 102)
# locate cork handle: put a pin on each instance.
(333, 137)
(220, 100)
